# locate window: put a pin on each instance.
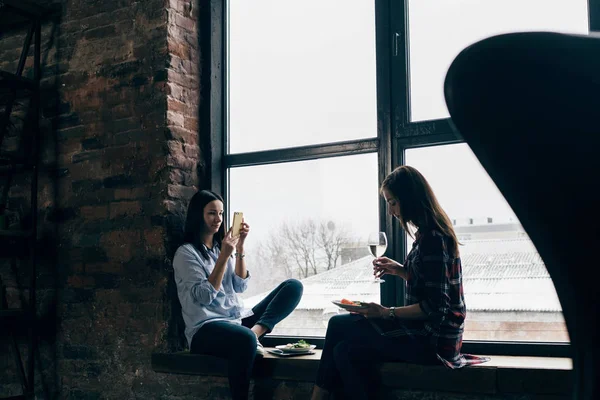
(309, 221)
(314, 91)
(300, 73)
(313, 84)
(440, 29)
(508, 291)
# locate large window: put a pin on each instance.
(302, 73)
(324, 97)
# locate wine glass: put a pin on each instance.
(377, 243)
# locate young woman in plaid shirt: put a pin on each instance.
(428, 328)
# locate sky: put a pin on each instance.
(303, 72)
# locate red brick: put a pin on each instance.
(179, 49)
(181, 192)
(191, 124)
(176, 106)
(179, 160)
(109, 267)
(182, 22)
(133, 193)
(121, 236)
(69, 146)
(122, 252)
(184, 81)
(174, 118)
(154, 240)
(124, 208)
(191, 151)
(177, 5)
(94, 212)
(80, 281)
(183, 135)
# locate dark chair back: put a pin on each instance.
(528, 105)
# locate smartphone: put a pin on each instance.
(237, 223)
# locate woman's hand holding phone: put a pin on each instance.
(244, 230)
(229, 243)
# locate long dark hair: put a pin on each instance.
(194, 222)
(418, 205)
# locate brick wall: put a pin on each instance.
(121, 159)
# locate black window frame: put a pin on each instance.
(395, 134)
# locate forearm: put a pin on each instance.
(414, 311)
(240, 264)
(216, 276)
(402, 273)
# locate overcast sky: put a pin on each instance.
(303, 72)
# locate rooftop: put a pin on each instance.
(498, 275)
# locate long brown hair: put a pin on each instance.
(418, 205)
(194, 222)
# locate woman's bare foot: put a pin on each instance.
(319, 393)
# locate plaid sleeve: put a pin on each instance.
(435, 270)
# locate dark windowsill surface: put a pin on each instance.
(503, 374)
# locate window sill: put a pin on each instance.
(503, 374)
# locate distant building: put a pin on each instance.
(486, 228)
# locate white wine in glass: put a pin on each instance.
(377, 243)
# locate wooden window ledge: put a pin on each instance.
(503, 374)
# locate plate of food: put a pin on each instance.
(300, 346)
(349, 304)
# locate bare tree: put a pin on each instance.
(301, 245)
(300, 250)
(306, 248)
(331, 240)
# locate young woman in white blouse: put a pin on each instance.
(210, 271)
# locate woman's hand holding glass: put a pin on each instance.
(387, 266)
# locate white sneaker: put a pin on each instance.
(260, 350)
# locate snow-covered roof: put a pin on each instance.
(498, 275)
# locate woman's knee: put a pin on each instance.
(342, 321)
(338, 327)
(294, 285)
(244, 343)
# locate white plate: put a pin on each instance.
(280, 353)
(348, 307)
(286, 349)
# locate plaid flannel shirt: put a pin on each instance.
(435, 282)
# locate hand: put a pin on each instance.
(373, 310)
(229, 243)
(384, 265)
(244, 230)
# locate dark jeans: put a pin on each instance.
(237, 343)
(353, 346)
